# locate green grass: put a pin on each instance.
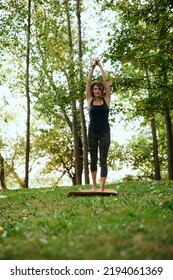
(49, 224)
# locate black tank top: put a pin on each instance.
(99, 118)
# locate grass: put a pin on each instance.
(48, 224)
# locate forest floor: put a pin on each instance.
(37, 224)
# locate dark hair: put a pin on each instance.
(101, 87)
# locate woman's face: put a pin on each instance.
(97, 91)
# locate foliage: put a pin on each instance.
(141, 44)
(52, 65)
(115, 156)
(138, 154)
(47, 224)
(141, 40)
(54, 146)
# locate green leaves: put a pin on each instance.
(142, 42)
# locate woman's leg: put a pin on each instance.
(94, 184)
(93, 148)
(102, 183)
(104, 148)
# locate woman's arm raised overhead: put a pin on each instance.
(105, 82)
(88, 84)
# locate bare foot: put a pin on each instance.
(102, 183)
(94, 188)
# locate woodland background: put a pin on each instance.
(46, 50)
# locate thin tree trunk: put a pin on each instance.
(169, 144)
(78, 159)
(155, 150)
(154, 136)
(85, 143)
(28, 99)
(78, 167)
(168, 127)
(2, 173)
(82, 115)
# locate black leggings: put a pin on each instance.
(103, 142)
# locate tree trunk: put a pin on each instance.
(28, 99)
(154, 136)
(168, 125)
(16, 176)
(169, 144)
(78, 159)
(2, 173)
(82, 115)
(85, 143)
(76, 130)
(155, 150)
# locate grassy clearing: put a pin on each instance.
(47, 224)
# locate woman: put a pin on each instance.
(98, 98)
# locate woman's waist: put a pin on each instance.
(95, 127)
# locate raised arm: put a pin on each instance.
(88, 83)
(105, 82)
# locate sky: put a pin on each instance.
(95, 27)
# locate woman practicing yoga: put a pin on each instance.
(98, 98)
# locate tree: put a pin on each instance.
(142, 40)
(77, 153)
(154, 136)
(28, 98)
(56, 84)
(14, 44)
(139, 155)
(2, 176)
(82, 115)
(54, 146)
(11, 157)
